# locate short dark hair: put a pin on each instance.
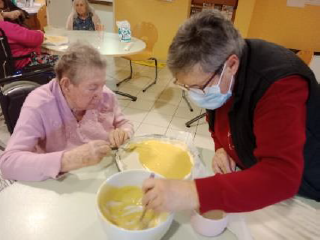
(206, 38)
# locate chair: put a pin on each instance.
(305, 55)
(42, 17)
(149, 34)
(15, 89)
(15, 85)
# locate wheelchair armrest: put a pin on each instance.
(36, 67)
(25, 75)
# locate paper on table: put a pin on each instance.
(55, 40)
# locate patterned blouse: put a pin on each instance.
(84, 24)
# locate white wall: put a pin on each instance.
(106, 15)
(315, 66)
(58, 12)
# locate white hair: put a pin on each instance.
(89, 9)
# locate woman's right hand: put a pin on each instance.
(84, 155)
(222, 163)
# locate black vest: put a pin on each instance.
(262, 63)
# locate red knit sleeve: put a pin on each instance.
(279, 127)
(218, 145)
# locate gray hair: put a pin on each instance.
(89, 9)
(208, 39)
(77, 58)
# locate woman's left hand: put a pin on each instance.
(117, 137)
(164, 195)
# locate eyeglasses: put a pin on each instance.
(196, 88)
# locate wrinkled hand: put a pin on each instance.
(164, 195)
(117, 137)
(222, 163)
(12, 15)
(84, 155)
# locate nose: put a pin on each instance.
(98, 94)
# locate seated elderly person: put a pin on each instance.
(69, 123)
(83, 17)
(12, 13)
(25, 43)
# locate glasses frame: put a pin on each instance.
(202, 89)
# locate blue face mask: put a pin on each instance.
(212, 98)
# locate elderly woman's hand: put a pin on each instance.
(117, 137)
(170, 195)
(12, 15)
(84, 155)
(222, 163)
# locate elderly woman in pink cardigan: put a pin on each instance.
(69, 123)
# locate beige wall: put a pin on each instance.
(244, 16)
(166, 16)
(273, 20)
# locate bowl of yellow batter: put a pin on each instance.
(169, 157)
(119, 207)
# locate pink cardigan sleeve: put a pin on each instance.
(20, 161)
(24, 36)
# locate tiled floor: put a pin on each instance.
(160, 110)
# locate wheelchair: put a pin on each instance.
(15, 85)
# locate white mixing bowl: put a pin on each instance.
(130, 178)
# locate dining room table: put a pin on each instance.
(65, 208)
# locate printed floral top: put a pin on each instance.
(84, 24)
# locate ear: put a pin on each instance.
(233, 64)
(65, 84)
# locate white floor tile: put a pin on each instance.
(184, 112)
(157, 119)
(136, 125)
(145, 129)
(179, 124)
(149, 95)
(142, 104)
(135, 114)
(164, 108)
(203, 141)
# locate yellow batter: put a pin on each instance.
(166, 159)
(123, 207)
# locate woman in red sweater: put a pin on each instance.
(262, 106)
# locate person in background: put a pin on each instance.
(263, 110)
(26, 43)
(12, 13)
(83, 17)
(69, 123)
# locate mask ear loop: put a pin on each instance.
(222, 73)
(231, 83)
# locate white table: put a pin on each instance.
(108, 44)
(65, 209)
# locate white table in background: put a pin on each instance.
(108, 44)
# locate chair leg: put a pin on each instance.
(156, 74)
(188, 124)
(185, 98)
(133, 98)
(128, 78)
